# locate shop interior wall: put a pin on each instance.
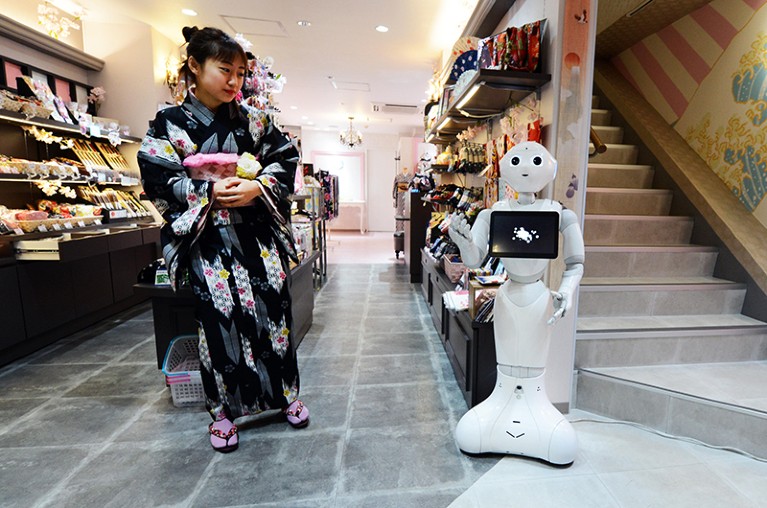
(25, 12)
(380, 169)
(134, 55)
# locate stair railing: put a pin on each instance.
(599, 147)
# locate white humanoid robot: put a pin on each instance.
(518, 418)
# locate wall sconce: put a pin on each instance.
(171, 74)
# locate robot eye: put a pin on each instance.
(515, 161)
(537, 160)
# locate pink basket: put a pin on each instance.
(182, 371)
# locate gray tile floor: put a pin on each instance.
(89, 422)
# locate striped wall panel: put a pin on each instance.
(668, 66)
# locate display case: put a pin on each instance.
(417, 215)
(469, 345)
(65, 272)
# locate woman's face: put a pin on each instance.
(217, 82)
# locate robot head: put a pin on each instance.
(528, 167)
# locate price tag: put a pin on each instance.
(81, 223)
(97, 222)
(18, 231)
(57, 227)
(41, 228)
(125, 181)
(67, 225)
(95, 130)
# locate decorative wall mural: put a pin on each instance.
(737, 152)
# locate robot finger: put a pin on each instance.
(556, 316)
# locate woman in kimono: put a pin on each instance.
(220, 174)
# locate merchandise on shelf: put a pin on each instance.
(303, 234)
(117, 203)
(27, 106)
(422, 182)
(43, 93)
(516, 48)
(49, 215)
(330, 191)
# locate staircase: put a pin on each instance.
(660, 341)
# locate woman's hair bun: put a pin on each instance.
(188, 32)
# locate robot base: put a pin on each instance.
(518, 419)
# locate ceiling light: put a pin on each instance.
(303, 22)
(351, 137)
(382, 28)
(189, 12)
(294, 108)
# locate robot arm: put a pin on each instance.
(574, 254)
(471, 241)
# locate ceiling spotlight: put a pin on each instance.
(189, 12)
(303, 22)
(294, 108)
(382, 28)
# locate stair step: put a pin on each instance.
(719, 404)
(609, 201)
(654, 280)
(636, 230)
(601, 116)
(661, 340)
(615, 154)
(609, 133)
(594, 101)
(721, 297)
(633, 176)
(635, 261)
(600, 327)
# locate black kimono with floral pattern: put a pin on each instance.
(237, 259)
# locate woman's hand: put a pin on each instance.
(233, 192)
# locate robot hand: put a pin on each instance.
(460, 231)
(562, 303)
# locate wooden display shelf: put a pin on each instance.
(143, 222)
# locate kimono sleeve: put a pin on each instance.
(183, 202)
(279, 158)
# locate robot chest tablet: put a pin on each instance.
(524, 234)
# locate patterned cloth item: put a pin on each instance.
(237, 259)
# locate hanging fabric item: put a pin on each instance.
(399, 191)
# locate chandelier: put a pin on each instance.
(350, 138)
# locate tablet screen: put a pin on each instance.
(522, 234)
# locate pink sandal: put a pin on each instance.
(223, 436)
(297, 414)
